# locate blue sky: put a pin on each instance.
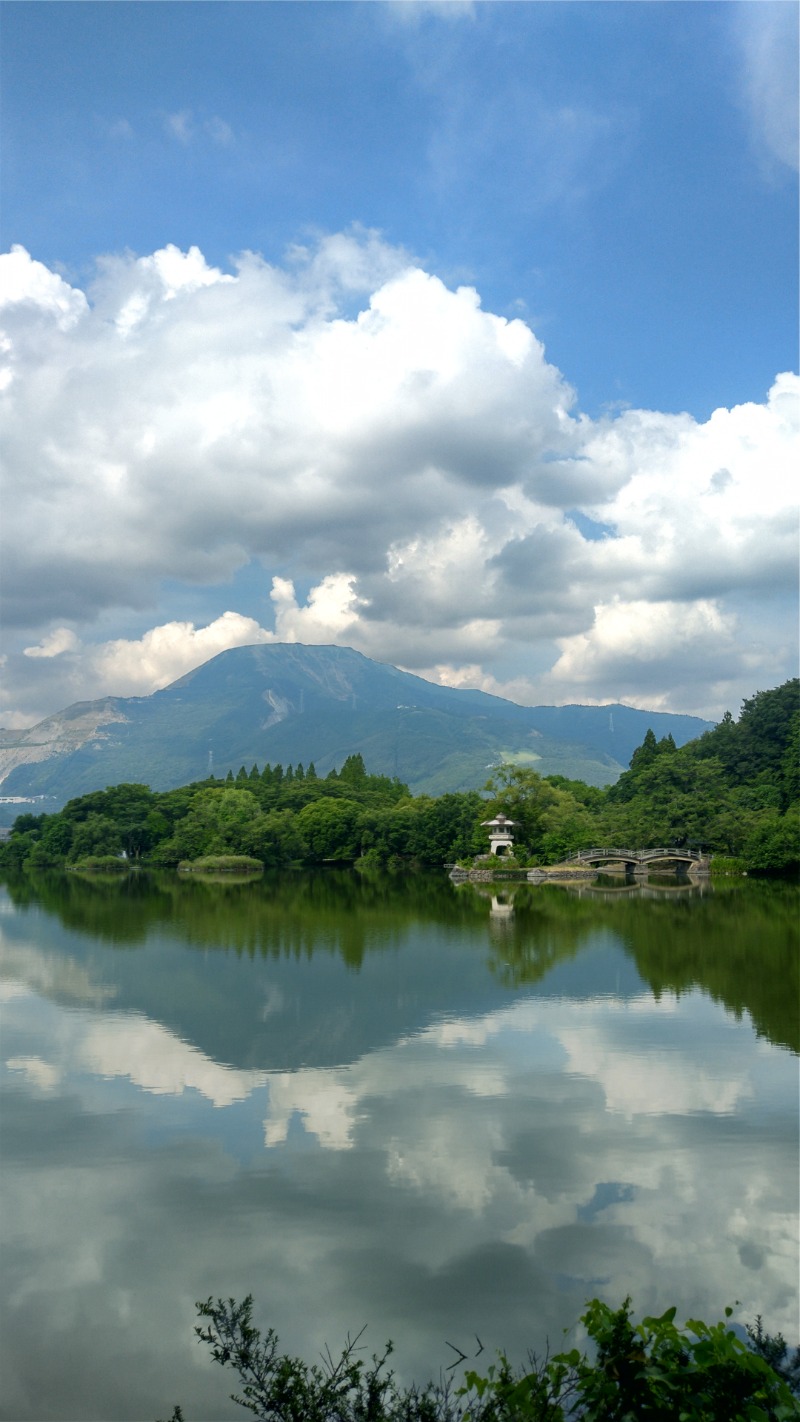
(597, 167)
(621, 178)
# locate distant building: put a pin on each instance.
(501, 840)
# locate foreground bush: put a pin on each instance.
(645, 1372)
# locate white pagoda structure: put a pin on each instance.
(501, 840)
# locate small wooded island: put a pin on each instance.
(734, 794)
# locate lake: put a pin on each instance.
(385, 1100)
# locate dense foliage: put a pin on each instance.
(735, 792)
(652, 1371)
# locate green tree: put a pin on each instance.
(15, 852)
(216, 823)
(790, 764)
(757, 744)
(274, 838)
(774, 843)
(97, 834)
(354, 771)
(54, 843)
(447, 828)
(331, 828)
(646, 753)
(28, 823)
(524, 797)
(567, 826)
(388, 833)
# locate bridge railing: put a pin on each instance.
(670, 852)
(615, 852)
(599, 851)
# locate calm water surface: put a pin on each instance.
(382, 1101)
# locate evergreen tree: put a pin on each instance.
(354, 771)
(646, 753)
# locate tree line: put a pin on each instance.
(734, 792)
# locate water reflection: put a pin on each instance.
(738, 942)
(382, 1101)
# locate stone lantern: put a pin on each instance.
(501, 840)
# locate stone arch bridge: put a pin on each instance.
(640, 861)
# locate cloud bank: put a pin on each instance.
(355, 429)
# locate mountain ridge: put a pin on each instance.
(290, 702)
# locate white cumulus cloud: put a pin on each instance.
(350, 424)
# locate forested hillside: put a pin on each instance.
(735, 791)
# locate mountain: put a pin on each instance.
(288, 703)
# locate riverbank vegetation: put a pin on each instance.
(734, 792)
(652, 1369)
(221, 864)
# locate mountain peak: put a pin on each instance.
(288, 702)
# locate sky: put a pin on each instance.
(462, 334)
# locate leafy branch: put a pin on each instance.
(651, 1371)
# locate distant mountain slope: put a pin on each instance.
(288, 703)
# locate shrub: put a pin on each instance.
(727, 864)
(222, 864)
(646, 1372)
